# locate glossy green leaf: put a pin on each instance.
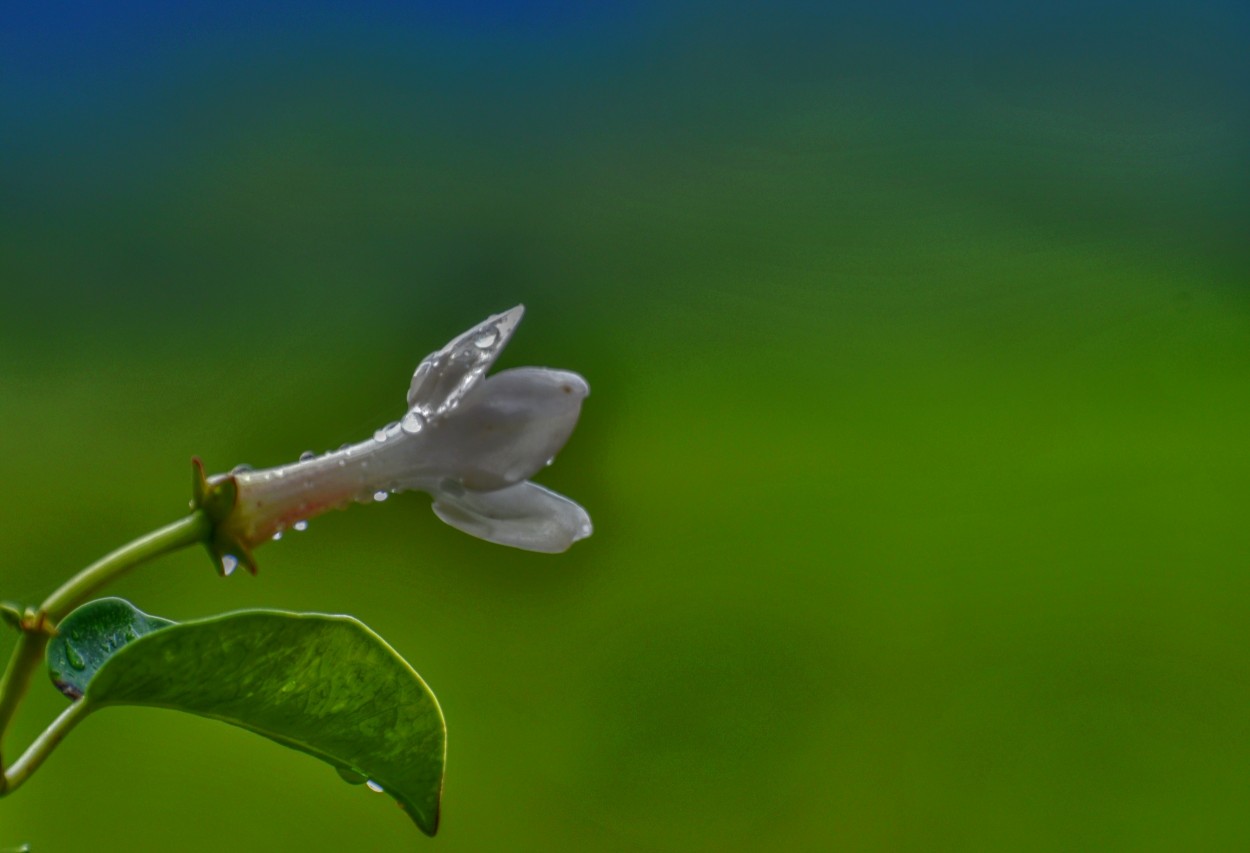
(90, 636)
(325, 685)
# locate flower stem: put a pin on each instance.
(28, 652)
(43, 745)
(196, 527)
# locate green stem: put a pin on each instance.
(196, 527)
(22, 664)
(43, 745)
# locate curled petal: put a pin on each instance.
(443, 378)
(506, 429)
(525, 516)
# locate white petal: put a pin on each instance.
(523, 516)
(508, 428)
(444, 377)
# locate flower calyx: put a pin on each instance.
(217, 498)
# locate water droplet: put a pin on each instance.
(380, 435)
(277, 537)
(380, 495)
(131, 635)
(241, 469)
(301, 526)
(373, 786)
(228, 564)
(486, 339)
(306, 455)
(75, 659)
(550, 460)
(413, 422)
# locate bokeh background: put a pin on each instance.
(919, 338)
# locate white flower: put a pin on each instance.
(471, 442)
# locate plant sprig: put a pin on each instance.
(325, 685)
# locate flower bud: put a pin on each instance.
(471, 442)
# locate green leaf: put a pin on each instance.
(325, 685)
(90, 636)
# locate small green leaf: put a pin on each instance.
(325, 685)
(90, 636)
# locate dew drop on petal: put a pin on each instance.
(373, 786)
(413, 422)
(301, 526)
(486, 339)
(241, 469)
(306, 455)
(380, 495)
(228, 564)
(379, 435)
(422, 371)
(277, 537)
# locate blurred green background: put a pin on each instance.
(917, 449)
